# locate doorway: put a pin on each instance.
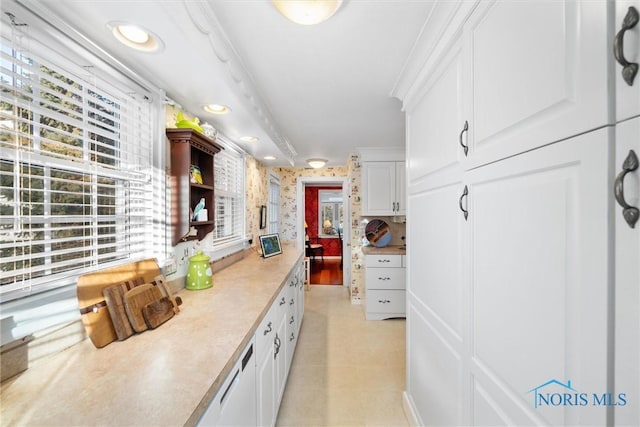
(324, 224)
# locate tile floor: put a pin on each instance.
(346, 371)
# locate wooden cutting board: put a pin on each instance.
(157, 312)
(93, 307)
(135, 300)
(114, 296)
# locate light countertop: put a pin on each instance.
(387, 250)
(165, 376)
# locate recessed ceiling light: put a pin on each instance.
(135, 37)
(269, 158)
(316, 163)
(307, 12)
(217, 109)
(249, 138)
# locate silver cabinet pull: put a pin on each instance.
(629, 69)
(464, 129)
(465, 193)
(630, 213)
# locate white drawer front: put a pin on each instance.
(383, 261)
(385, 301)
(385, 278)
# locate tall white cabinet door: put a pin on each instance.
(401, 188)
(537, 74)
(627, 339)
(378, 186)
(436, 120)
(435, 300)
(539, 283)
(627, 51)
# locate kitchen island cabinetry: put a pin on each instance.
(172, 373)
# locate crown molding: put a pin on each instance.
(206, 21)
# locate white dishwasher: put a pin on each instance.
(235, 403)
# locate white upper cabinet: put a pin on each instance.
(627, 52)
(384, 188)
(434, 123)
(536, 73)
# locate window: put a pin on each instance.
(330, 212)
(77, 184)
(229, 195)
(274, 204)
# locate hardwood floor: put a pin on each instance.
(327, 272)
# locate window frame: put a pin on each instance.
(59, 48)
(336, 213)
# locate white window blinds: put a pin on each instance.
(76, 187)
(229, 173)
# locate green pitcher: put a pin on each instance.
(199, 275)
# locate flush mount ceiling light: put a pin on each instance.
(307, 12)
(135, 37)
(269, 158)
(249, 138)
(316, 163)
(217, 109)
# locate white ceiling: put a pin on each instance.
(305, 91)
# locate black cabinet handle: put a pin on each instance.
(385, 301)
(282, 301)
(465, 193)
(629, 69)
(464, 129)
(630, 213)
(269, 329)
(276, 344)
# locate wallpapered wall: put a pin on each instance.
(331, 244)
(257, 195)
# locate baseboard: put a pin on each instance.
(409, 411)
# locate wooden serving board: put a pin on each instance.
(157, 312)
(93, 307)
(135, 300)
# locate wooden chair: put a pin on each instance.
(314, 249)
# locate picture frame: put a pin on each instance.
(270, 244)
(263, 217)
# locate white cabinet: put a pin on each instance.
(265, 371)
(235, 403)
(514, 254)
(275, 346)
(627, 50)
(515, 280)
(383, 188)
(536, 72)
(385, 286)
(627, 292)
(436, 121)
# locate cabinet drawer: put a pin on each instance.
(385, 278)
(386, 301)
(383, 261)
